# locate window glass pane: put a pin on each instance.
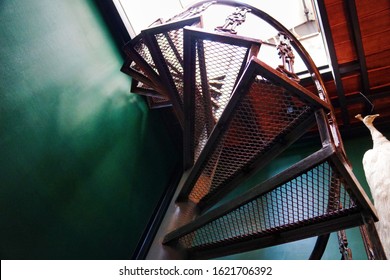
(297, 15)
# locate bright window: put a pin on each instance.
(297, 15)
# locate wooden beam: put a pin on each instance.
(325, 26)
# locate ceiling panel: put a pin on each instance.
(352, 25)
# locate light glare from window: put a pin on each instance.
(296, 15)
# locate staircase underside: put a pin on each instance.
(238, 114)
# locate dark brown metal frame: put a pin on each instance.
(319, 247)
(183, 211)
(148, 89)
(158, 57)
(154, 99)
(313, 70)
(159, 212)
(142, 85)
(357, 39)
(133, 56)
(191, 35)
(255, 67)
(339, 70)
(139, 76)
(157, 103)
(353, 218)
(144, 90)
(325, 25)
(371, 240)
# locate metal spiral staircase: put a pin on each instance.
(237, 114)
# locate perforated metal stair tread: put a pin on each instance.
(140, 61)
(165, 43)
(317, 195)
(238, 114)
(146, 81)
(266, 113)
(213, 62)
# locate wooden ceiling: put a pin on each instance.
(358, 39)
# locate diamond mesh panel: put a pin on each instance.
(142, 49)
(171, 46)
(266, 113)
(141, 63)
(218, 66)
(314, 196)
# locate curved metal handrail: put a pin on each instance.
(305, 56)
(322, 241)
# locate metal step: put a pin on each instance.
(317, 195)
(238, 114)
(266, 114)
(213, 62)
(165, 43)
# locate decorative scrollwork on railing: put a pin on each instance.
(346, 253)
(235, 19)
(286, 53)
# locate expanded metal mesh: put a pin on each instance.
(171, 46)
(142, 49)
(218, 66)
(140, 66)
(264, 115)
(314, 196)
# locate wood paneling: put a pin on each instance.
(376, 43)
(378, 60)
(369, 7)
(375, 23)
(336, 13)
(373, 28)
(379, 77)
(345, 52)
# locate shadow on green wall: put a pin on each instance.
(83, 161)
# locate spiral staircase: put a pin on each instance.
(238, 114)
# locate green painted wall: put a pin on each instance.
(82, 160)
